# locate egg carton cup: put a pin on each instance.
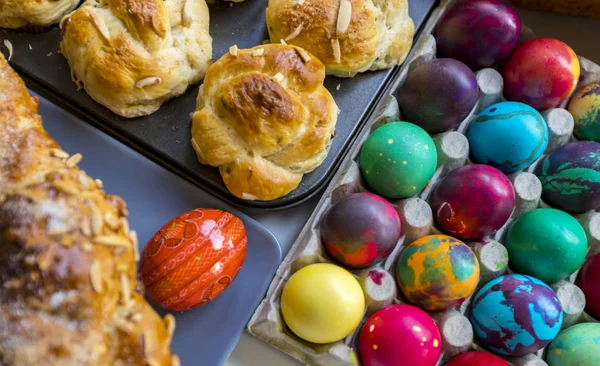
(417, 221)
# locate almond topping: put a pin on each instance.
(278, 77)
(134, 242)
(96, 277)
(282, 41)
(297, 31)
(175, 360)
(97, 222)
(113, 241)
(170, 324)
(125, 289)
(337, 53)
(83, 179)
(148, 344)
(152, 80)
(74, 160)
(258, 52)
(86, 227)
(99, 183)
(101, 26)
(233, 50)
(305, 56)
(344, 17)
(87, 247)
(59, 154)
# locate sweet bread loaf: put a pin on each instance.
(40, 13)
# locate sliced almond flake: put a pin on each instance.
(100, 25)
(153, 362)
(278, 77)
(344, 17)
(86, 227)
(187, 13)
(58, 153)
(9, 46)
(96, 277)
(83, 179)
(134, 242)
(111, 221)
(113, 241)
(152, 80)
(66, 187)
(125, 289)
(170, 324)
(282, 41)
(87, 247)
(295, 33)
(302, 52)
(233, 50)
(97, 221)
(74, 160)
(337, 54)
(136, 317)
(175, 360)
(125, 225)
(99, 183)
(124, 326)
(148, 344)
(258, 52)
(57, 230)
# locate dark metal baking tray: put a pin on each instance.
(165, 135)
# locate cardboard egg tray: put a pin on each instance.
(417, 221)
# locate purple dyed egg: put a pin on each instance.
(480, 33)
(439, 94)
(360, 230)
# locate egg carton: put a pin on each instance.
(417, 221)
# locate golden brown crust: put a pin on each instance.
(69, 293)
(23, 13)
(265, 119)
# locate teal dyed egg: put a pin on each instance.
(547, 244)
(585, 108)
(509, 136)
(398, 160)
(578, 345)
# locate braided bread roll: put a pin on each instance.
(22, 13)
(68, 293)
(133, 55)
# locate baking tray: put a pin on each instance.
(154, 196)
(165, 135)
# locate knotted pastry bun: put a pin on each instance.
(22, 13)
(349, 36)
(133, 55)
(264, 119)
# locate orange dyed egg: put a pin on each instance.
(193, 258)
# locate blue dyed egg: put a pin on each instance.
(516, 315)
(509, 136)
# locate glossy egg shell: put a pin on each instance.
(476, 358)
(473, 202)
(585, 108)
(578, 345)
(480, 33)
(570, 177)
(588, 281)
(400, 335)
(398, 160)
(437, 272)
(542, 72)
(360, 230)
(547, 244)
(515, 315)
(438, 94)
(193, 258)
(509, 136)
(322, 303)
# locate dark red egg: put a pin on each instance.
(473, 202)
(476, 358)
(360, 230)
(589, 282)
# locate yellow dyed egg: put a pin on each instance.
(322, 303)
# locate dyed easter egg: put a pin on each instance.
(193, 258)
(439, 94)
(570, 177)
(398, 160)
(588, 281)
(473, 202)
(509, 136)
(585, 108)
(480, 33)
(547, 244)
(515, 315)
(322, 303)
(360, 230)
(542, 72)
(578, 345)
(477, 358)
(437, 272)
(400, 335)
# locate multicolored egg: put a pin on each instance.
(509, 136)
(570, 177)
(193, 258)
(515, 315)
(480, 33)
(578, 345)
(400, 335)
(322, 303)
(439, 94)
(473, 202)
(585, 108)
(477, 358)
(547, 244)
(360, 230)
(437, 272)
(588, 281)
(542, 72)
(398, 160)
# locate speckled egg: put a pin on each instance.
(398, 160)
(360, 230)
(542, 72)
(400, 335)
(439, 94)
(585, 108)
(570, 177)
(480, 33)
(509, 136)
(437, 272)
(473, 202)
(578, 345)
(322, 303)
(477, 358)
(515, 315)
(193, 258)
(588, 281)
(547, 244)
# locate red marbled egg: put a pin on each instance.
(400, 335)
(193, 258)
(476, 358)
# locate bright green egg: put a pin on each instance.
(585, 108)
(398, 160)
(578, 345)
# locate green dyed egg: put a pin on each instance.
(547, 244)
(578, 345)
(585, 108)
(398, 160)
